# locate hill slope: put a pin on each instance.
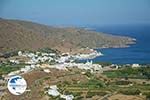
(21, 35)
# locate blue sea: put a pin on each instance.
(137, 53)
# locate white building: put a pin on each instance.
(67, 97)
(97, 67)
(25, 69)
(14, 61)
(88, 56)
(63, 59)
(46, 70)
(135, 65)
(53, 91)
(19, 53)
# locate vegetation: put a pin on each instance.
(123, 82)
(147, 95)
(88, 74)
(104, 63)
(130, 91)
(48, 50)
(7, 68)
(92, 83)
(91, 94)
(10, 54)
(128, 72)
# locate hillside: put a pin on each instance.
(24, 35)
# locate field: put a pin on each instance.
(123, 83)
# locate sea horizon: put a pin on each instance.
(135, 53)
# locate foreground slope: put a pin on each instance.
(25, 35)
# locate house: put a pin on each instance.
(52, 54)
(91, 55)
(114, 66)
(45, 66)
(67, 97)
(97, 67)
(32, 66)
(14, 61)
(45, 54)
(135, 65)
(63, 59)
(20, 53)
(25, 69)
(46, 70)
(53, 91)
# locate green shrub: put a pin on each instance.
(47, 50)
(88, 74)
(130, 92)
(104, 63)
(147, 94)
(78, 98)
(5, 69)
(91, 94)
(10, 54)
(128, 72)
(77, 93)
(93, 83)
(122, 82)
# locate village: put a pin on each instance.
(52, 60)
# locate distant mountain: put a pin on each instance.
(25, 35)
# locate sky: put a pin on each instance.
(77, 12)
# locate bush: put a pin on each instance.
(93, 83)
(88, 74)
(47, 50)
(104, 63)
(147, 94)
(10, 54)
(77, 94)
(123, 82)
(130, 92)
(91, 94)
(5, 69)
(66, 83)
(79, 98)
(128, 72)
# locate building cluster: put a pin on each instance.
(62, 62)
(88, 66)
(37, 57)
(35, 60)
(14, 61)
(91, 55)
(54, 91)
